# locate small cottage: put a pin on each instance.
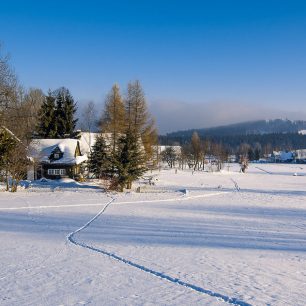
(55, 158)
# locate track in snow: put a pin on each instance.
(127, 202)
(225, 298)
(235, 184)
(263, 170)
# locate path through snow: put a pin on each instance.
(72, 239)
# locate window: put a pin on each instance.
(56, 171)
(56, 156)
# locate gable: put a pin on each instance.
(77, 150)
(56, 154)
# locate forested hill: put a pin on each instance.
(246, 128)
(279, 133)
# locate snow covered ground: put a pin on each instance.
(191, 239)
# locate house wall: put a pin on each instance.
(30, 173)
(43, 171)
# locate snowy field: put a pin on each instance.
(191, 239)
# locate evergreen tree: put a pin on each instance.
(70, 109)
(100, 159)
(47, 127)
(59, 113)
(251, 154)
(56, 116)
(7, 144)
(132, 134)
(65, 112)
(129, 160)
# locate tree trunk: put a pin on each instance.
(7, 180)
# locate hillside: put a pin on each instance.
(259, 127)
(278, 133)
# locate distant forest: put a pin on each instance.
(276, 134)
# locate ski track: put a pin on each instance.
(236, 184)
(183, 198)
(70, 238)
(263, 170)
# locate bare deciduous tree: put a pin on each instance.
(243, 152)
(89, 117)
(196, 150)
(16, 126)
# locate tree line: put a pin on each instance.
(258, 127)
(259, 145)
(197, 154)
(208, 154)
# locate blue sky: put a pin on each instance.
(201, 63)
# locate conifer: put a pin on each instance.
(47, 124)
(56, 116)
(65, 112)
(129, 160)
(100, 159)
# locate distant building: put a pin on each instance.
(160, 149)
(282, 156)
(232, 158)
(300, 156)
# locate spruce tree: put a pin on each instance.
(59, 113)
(47, 127)
(70, 109)
(100, 160)
(129, 160)
(56, 116)
(65, 112)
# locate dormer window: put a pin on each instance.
(56, 156)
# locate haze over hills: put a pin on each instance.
(258, 127)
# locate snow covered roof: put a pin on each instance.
(177, 149)
(41, 150)
(87, 141)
